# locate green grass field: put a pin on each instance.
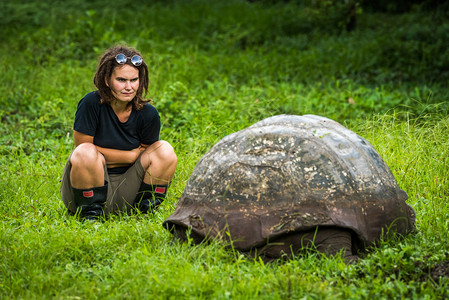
(217, 67)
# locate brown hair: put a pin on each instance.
(107, 65)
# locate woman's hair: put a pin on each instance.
(107, 65)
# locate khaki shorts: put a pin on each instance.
(122, 188)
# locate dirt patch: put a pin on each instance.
(439, 270)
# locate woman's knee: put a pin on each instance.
(162, 151)
(86, 154)
(168, 153)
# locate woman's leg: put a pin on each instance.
(88, 181)
(159, 162)
(87, 167)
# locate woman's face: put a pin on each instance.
(124, 83)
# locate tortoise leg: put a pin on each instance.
(184, 234)
(333, 240)
(328, 240)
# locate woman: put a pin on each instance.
(119, 163)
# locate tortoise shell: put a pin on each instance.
(288, 174)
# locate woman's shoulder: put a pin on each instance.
(148, 114)
(89, 102)
(92, 97)
(148, 109)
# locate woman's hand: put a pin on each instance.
(138, 151)
(120, 158)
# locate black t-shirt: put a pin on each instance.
(101, 122)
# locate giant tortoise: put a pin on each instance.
(290, 182)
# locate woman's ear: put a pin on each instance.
(106, 81)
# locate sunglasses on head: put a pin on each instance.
(122, 59)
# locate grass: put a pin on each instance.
(216, 67)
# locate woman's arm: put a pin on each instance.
(119, 158)
(113, 157)
(80, 138)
